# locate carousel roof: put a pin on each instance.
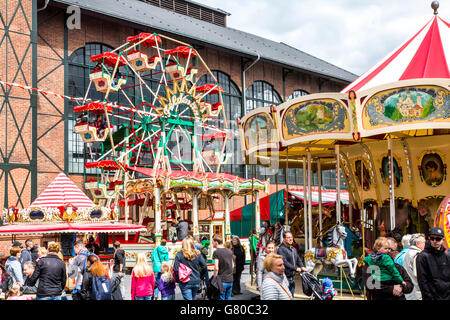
(424, 55)
(60, 192)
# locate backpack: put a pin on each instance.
(101, 288)
(184, 272)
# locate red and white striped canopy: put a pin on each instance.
(328, 196)
(60, 192)
(425, 55)
(66, 227)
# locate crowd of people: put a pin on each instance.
(420, 271)
(41, 273)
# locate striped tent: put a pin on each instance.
(328, 196)
(422, 56)
(60, 192)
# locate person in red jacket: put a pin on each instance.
(142, 279)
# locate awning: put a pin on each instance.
(328, 196)
(93, 107)
(151, 41)
(182, 51)
(65, 227)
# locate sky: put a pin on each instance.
(351, 34)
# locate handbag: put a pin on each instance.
(184, 272)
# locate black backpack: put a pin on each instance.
(101, 288)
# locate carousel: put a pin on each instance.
(157, 156)
(387, 134)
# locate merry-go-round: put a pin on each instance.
(387, 134)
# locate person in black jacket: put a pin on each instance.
(239, 253)
(433, 268)
(291, 259)
(51, 272)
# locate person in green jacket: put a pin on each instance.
(381, 264)
(159, 255)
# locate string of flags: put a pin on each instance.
(113, 105)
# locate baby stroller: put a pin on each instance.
(311, 286)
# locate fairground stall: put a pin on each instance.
(64, 214)
(157, 155)
(387, 134)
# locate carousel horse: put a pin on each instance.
(334, 253)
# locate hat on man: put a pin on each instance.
(436, 231)
(16, 244)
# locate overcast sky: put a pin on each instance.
(352, 34)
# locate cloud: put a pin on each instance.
(351, 34)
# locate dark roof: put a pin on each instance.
(212, 8)
(168, 21)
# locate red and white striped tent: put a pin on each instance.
(424, 55)
(60, 192)
(328, 196)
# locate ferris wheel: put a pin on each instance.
(167, 121)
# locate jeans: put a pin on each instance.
(169, 297)
(157, 277)
(291, 286)
(189, 291)
(227, 287)
(144, 298)
(49, 298)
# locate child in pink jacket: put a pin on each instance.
(142, 279)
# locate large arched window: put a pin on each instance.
(261, 94)
(298, 93)
(78, 83)
(232, 102)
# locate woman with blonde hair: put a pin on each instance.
(42, 251)
(142, 279)
(275, 285)
(189, 267)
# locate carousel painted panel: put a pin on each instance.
(442, 219)
(403, 108)
(326, 116)
(256, 185)
(429, 157)
(258, 131)
(221, 184)
(185, 182)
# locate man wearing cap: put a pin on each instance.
(433, 268)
